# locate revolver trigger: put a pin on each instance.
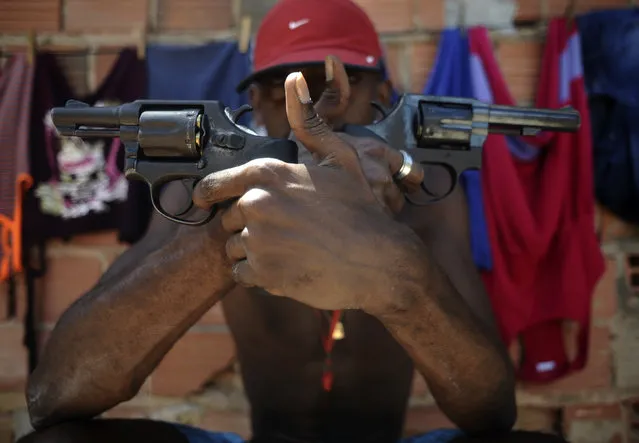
(239, 112)
(189, 203)
(76, 104)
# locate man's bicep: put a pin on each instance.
(444, 228)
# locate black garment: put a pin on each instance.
(68, 173)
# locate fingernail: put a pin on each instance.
(302, 89)
(329, 68)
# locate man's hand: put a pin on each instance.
(378, 161)
(314, 232)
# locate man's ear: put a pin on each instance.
(255, 100)
(385, 93)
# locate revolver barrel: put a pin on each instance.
(84, 121)
(528, 121)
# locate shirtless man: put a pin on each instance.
(329, 235)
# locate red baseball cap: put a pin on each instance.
(302, 32)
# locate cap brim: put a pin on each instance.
(314, 56)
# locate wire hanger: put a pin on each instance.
(31, 47)
(461, 15)
(141, 47)
(569, 13)
(244, 39)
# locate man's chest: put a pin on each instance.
(284, 324)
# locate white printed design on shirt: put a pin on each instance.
(87, 181)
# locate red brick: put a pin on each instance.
(611, 227)
(520, 63)
(422, 59)
(420, 388)
(423, 419)
(209, 15)
(75, 67)
(127, 411)
(389, 15)
(532, 10)
(20, 299)
(6, 428)
(598, 423)
(13, 357)
(595, 376)
(558, 7)
(192, 362)
(590, 5)
(98, 15)
(605, 299)
(430, 14)
(67, 279)
(103, 63)
(537, 419)
(214, 316)
(42, 339)
(106, 238)
(219, 421)
(29, 15)
(528, 10)
(606, 411)
(391, 57)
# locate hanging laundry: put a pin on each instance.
(206, 72)
(16, 83)
(611, 62)
(539, 209)
(79, 184)
(451, 76)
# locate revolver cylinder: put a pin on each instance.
(171, 133)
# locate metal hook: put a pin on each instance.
(461, 14)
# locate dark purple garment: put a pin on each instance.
(79, 186)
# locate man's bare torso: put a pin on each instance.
(279, 345)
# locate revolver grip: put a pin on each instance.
(445, 167)
(361, 131)
(157, 174)
(279, 149)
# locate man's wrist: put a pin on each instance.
(405, 282)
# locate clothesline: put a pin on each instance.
(80, 52)
(92, 41)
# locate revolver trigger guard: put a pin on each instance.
(157, 205)
(425, 197)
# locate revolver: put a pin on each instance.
(166, 141)
(450, 133)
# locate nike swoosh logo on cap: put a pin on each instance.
(297, 24)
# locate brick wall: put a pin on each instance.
(596, 405)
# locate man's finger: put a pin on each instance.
(233, 219)
(394, 199)
(334, 100)
(244, 275)
(395, 159)
(235, 246)
(235, 182)
(309, 128)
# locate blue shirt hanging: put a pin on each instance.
(203, 72)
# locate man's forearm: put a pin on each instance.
(467, 372)
(106, 344)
